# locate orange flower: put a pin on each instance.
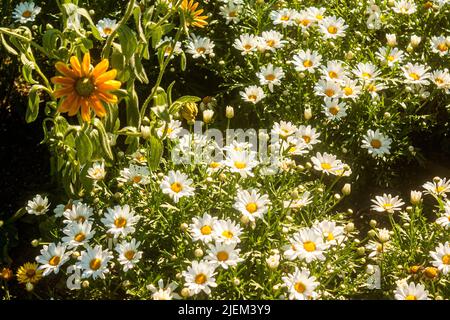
(193, 17)
(85, 86)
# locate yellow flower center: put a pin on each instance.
(387, 205)
(348, 91)
(371, 88)
(440, 188)
(319, 17)
(329, 92)
(30, 273)
(299, 287)
(410, 297)
(232, 14)
(26, 14)
(305, 22)
(137, 179)
(334, 110)
(251, 207)
(222, 256)
(95, 264)
(84, 87)
(414, 75)
(375, 143)
(201, 50)
(240, 164)
(120, 222)
(214, 165)
(438, 81)
(252, 97)
(79, 237)
(270, 43)
(330, 236)
(228, 234)
(176, 187)
(446, 259)
(366, 75)
(325, 166)
(332, 29)
(270, 77)
(205, 230)
(80, 219)
(200, 278)
(442, 47)
(54, 261)
(391, 58)
(309, 246)
(332, 74)
(284, 18)
(129, 254)
(248, 47)
(307, 63)
(307, 139)
(107, 31)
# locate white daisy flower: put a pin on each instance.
(177, 185)
(377, 248)
(273, 40)
(404, 7)
(376, 143)
(306, 60)
(283, 129)
(328, 88)
(52, 258)
(332, 233)
(170, 130)
(26, 12)
(299, 203)
(416, 74)
(139, 157)
(334, 71)
(441, 257)
(373, 88)
(135, 174)
(300, 284)
(390, 56)
(200, 277)
(223, 255)
(164, 292)
(106, 27)
(326, 163)
(231, 12)
(334, 110)
(246, 43)
(251, 204)
(333, 27)
(283, 17)
(366, 71)
(241, 162)
(441, 78)
(97, 172)
(227, 231)
(350, 88)
(444, 219)
(411, 291)
(317, 14)
(253, 94)
(77, 212)
(387, 203)
(303, 19)
(270, 76)
(307, 244)
(38, 206)
(120, 220)
(309, 135)
(129, 255)
(94, 262)
(437, 187)
(167, 42)
(200, 47)
(202, 228)
(293, 147)
(78, 233)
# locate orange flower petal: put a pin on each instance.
(65, 70)
(110, 75)
(62, 80)
(109, 85)
(98, 107)
(67, 104)
(100, 68)
(63, 92)
(107, 97)
(85, 110)
(75, 64)
(86, 65)
(75, 106)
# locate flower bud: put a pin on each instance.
(229, 112)
(372, 233)
(373, 223)
(207, 116)
(391, 40)
(1, 223)
(361, 251)
(416, 197)
(29, 286)
(383, 235)
(189, 111)
(184, 226)
(35, 242)
(414, 269)
(236, 281)
(245, 220)
(307, 113)
(273, 261)
(346, 189)
(349, 227)
(173, 257)
(349, 55)
(198, 253)
(337, 196)
(415, 41)
(185, 292)
(145, 132)
(85, 284)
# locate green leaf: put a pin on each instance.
(157, 34)
(139, 71)
(183, 61)
(155, 152)
(33, 103)
(104, 141)
(128, 41)
(83, 146)
(8, 48)
(185, 99)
